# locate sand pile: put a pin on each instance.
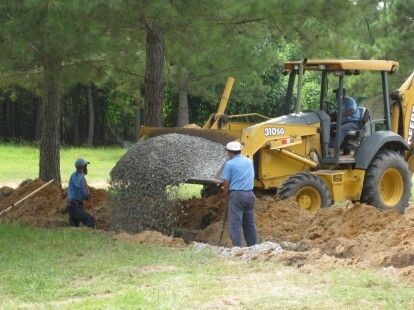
(150, 237)
(44, 209)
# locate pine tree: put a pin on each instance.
(41, 38)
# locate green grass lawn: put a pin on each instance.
(20, 162)
(73, 268)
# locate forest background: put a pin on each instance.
(89, 72)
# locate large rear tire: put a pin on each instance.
(309, 190)
(387, 182)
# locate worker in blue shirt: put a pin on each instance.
(351, 116)
(78, 192)
(238, 178)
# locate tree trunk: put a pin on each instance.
(75, 116)
(62, 121)
(183, 112)
(154, 80)
(49, 164)
(33, 126)
(39, 117)
(91, 122)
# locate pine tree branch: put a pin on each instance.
(243, 21)
(211, 74)
(130, 72)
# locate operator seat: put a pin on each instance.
(354, 137)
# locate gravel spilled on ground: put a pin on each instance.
(260, 251)
(140, 199)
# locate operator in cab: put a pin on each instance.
(351, 116)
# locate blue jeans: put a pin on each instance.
(344, 129)
(241, 215)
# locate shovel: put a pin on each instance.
(224, 224)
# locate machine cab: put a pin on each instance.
(342, 133)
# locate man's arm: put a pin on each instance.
(86, 193)
(226, 175)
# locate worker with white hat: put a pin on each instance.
(238, 177)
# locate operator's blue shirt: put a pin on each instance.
(239, 172)
(77, 189)
(349, 103)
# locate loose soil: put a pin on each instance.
(46, 208)
(354, 235)
(357, 234)
(150, 237)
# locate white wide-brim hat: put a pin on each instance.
(234, 146)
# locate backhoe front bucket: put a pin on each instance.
(218, 136)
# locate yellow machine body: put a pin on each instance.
(287, 152)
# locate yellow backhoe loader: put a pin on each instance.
(300, 156)
(291, 152)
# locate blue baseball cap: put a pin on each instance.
(81, 163)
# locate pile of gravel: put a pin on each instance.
(266, 250)
(139, 180)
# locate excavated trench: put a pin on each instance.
(352, 235)
(139, 209)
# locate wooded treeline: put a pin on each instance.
(86, 72)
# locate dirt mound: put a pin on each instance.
(386, 241)
(349, 222)
(281, 220)
(357, 234)
(38, 210)
(44, 209)
(277, 220)
(150, 237)
(353, 235)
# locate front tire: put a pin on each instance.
(387, 182)
(309, 190)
